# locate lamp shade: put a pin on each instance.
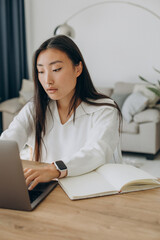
(65, 29)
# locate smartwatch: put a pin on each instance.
(61, 167)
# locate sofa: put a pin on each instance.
(140, 131)
(11, 107)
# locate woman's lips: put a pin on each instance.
(52, 90)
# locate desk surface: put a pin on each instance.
(128, 216)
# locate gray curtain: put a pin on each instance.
(13, 57)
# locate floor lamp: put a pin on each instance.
(67, 30)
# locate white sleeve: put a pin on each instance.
(21, 127)
(100, 147)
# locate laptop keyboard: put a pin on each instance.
(33, 195)
(38, 190)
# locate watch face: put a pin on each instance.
(61, 165)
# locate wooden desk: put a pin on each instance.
(128, 216)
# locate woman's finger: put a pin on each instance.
(34, 183)
(29, 172)
(31, 178)
(25, 170)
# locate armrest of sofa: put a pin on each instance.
(148, 115)
(11, 106)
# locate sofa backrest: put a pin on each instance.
(123, 87)
(105, 90)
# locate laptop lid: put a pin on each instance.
(13, 190)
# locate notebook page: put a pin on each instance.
(87, 185)
(121, 174)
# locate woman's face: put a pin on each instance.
(57, 74)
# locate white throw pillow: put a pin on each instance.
(27, 91)
(143, 88)
(133, 104)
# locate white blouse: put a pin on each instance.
(89, 142)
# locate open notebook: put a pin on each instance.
(108, 179)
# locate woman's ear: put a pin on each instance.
(79, 69)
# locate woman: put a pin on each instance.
(68, 124)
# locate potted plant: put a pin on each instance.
(154, 87)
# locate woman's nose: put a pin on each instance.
(49, 79)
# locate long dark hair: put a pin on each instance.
(85, 90)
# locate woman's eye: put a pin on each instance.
(57, 70)
(40, 72)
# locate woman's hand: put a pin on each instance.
(37, 175)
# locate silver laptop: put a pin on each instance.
(14, 193)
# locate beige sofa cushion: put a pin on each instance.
(107, 91)
(11, 106)
(148, 115)
(123, 88)
(130, 127)
(26, 92)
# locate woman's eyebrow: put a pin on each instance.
(51, 63)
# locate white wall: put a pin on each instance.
(118, 41)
